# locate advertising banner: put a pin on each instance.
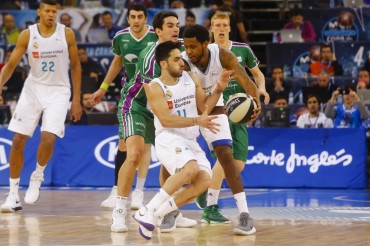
(278, 157)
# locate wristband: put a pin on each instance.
(104, 86)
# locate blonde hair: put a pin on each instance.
(221, 16)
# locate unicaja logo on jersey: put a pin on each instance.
(5, 145)
(105, 153)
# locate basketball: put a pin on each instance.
(239, 107)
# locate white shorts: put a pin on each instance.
(174, 152)
(36, 99)
(222, 137)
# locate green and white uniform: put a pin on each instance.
(239, 133)
(128, 47)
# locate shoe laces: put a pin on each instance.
(244, 219)
(216, 211)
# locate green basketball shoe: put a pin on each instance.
(201, 200)
(211, 214)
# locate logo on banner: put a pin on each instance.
(296, 160)
(105, 153)
(5, 145)
(341, 28)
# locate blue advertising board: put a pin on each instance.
(278, 157)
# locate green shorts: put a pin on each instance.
(131, 124)
(239, 134)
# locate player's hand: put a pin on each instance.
(256, 112)
(76, 111)
(225, 77)
(207, 121)
(96, 97)
(266, 99)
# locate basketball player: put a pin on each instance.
(51, 48)
(220, 28)
(207, 61)
(137, 120)
(126, 47)
(175, 98)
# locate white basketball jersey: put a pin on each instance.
(181, 101)
(48, 57)
(213, 72)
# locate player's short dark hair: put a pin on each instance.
(137, 7)
(158, 19)
(163, 50)
(199, 32)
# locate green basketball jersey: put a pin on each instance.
(124, 44)
(246, 57)
(146, 70)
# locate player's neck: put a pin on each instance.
(224, 43)
(203, 63)
(46, 31)
(168, 79)
(139, 35)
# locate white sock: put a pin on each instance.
(121, 202)
(166, 207)
(40, 169)
(241, 202)
(14, 185)
(212, 197)
(140, 184)
(157, 200)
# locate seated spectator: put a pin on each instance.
(177, 4)
(297, 22)
(328, 63)
(9, 29)
(313, 118)
(87, 108)
(238, 32)
(280, 102)
(89, 69)
(363, 76)
(110, 27)
(66, 20)
(323, 88)
(190, 20)
(97, 34)
(278, 87)
(348, 114)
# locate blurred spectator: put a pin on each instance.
(15, 84)
(305, 26)
(66, 20)
(97, 34)
(313, 118)
(190, 20)
(90, 69)
(212, 4)
(107, 21)
(9, 29)
(146, 3)
(10, 4)
(328, 63)
(87, 108)
(278, 87)
(238, 32)
(323, 87)
(364, 76)
(327, 3)
(177, 4)
(280, 102)
(348, 114)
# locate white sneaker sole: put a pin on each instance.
(245, 233)
(11, 210)
(119, 230)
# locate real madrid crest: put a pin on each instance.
(35, 45)
(168, 94)
(178, 150)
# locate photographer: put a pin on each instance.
(348, 114)
(313, 118)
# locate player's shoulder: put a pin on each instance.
(240, 45)
(122, 32)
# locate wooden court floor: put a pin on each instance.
(74, 217)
